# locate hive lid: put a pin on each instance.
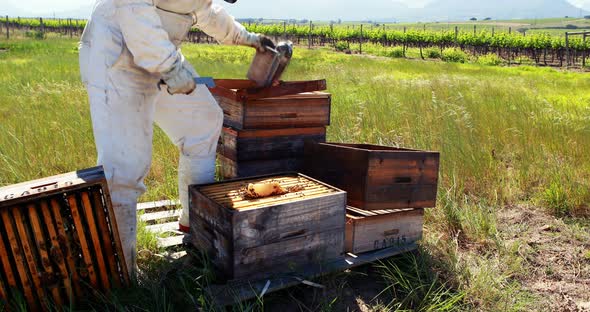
(231, 194)
(241, 89)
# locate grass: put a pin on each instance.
(510, 138)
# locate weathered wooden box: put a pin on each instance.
(59, 239)
(245, 145)
(230, 169)
(376, 177)
(246, 153)
(270, 236)
(379, 229)
(289, 105)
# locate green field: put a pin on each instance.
(511, 229)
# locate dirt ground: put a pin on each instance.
(557, 253)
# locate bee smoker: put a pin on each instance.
(268, 66)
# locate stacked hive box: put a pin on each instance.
(387, 190)
(265, 129)
(259, 238)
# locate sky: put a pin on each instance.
(44, 7)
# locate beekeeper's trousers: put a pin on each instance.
(123, 130)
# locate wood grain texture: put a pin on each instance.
(69, 252)
(273, 234)
(106, 239)
(376, 177)
(289, 255)
(55, 251)
(293, 111)
(46, 272)
(26, 191)
(88, 269)
(101, 271)
(27, 249)
(231, 169)
(368, 233)
(247, 90)
(236, 291)
(246, 145)
(60, 239)
(17, 253)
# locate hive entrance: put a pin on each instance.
(234, 195)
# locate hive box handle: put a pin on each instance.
(391, 232)
(403, 180)
(43, 185)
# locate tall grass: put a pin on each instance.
(506, 136)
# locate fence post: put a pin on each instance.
(404, 46)
(309, 35)
(585, 49)
(285, 29)
(361, 41)
(7, 28)
(509, 30)
(475, 30)
(493, 31)
(567, 49)
(41, 24)
(456, 34)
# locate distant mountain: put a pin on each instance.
(499, 9)
(393, 10)
(316, 9)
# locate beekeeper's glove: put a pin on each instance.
(180, 79)
(259, 42)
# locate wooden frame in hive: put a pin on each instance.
(59, 239)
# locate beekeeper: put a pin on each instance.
(128, 46)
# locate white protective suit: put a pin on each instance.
(125, 48)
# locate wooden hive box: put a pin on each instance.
(59, 239)
(379, 229)
(270, 236)
(288, 105)
(244, 153)
(376, 177)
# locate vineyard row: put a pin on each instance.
(540, 47)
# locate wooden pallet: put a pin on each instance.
(235, 291)
(162, 219)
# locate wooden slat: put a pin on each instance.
(265, 260)
(55, 249)
(245, 145)
(106, 238)
(159, 228)
(3, 290)
(236, 291)
(28, 252)
(69, 256)
(17, 193)
(39, 239)
(158, 204)
(380, 231)
(155, 216)
(284, 88)
(102, 268)
(170, 241)
(235, 83)
(20, 261)
(86, 256)
(5, 260)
